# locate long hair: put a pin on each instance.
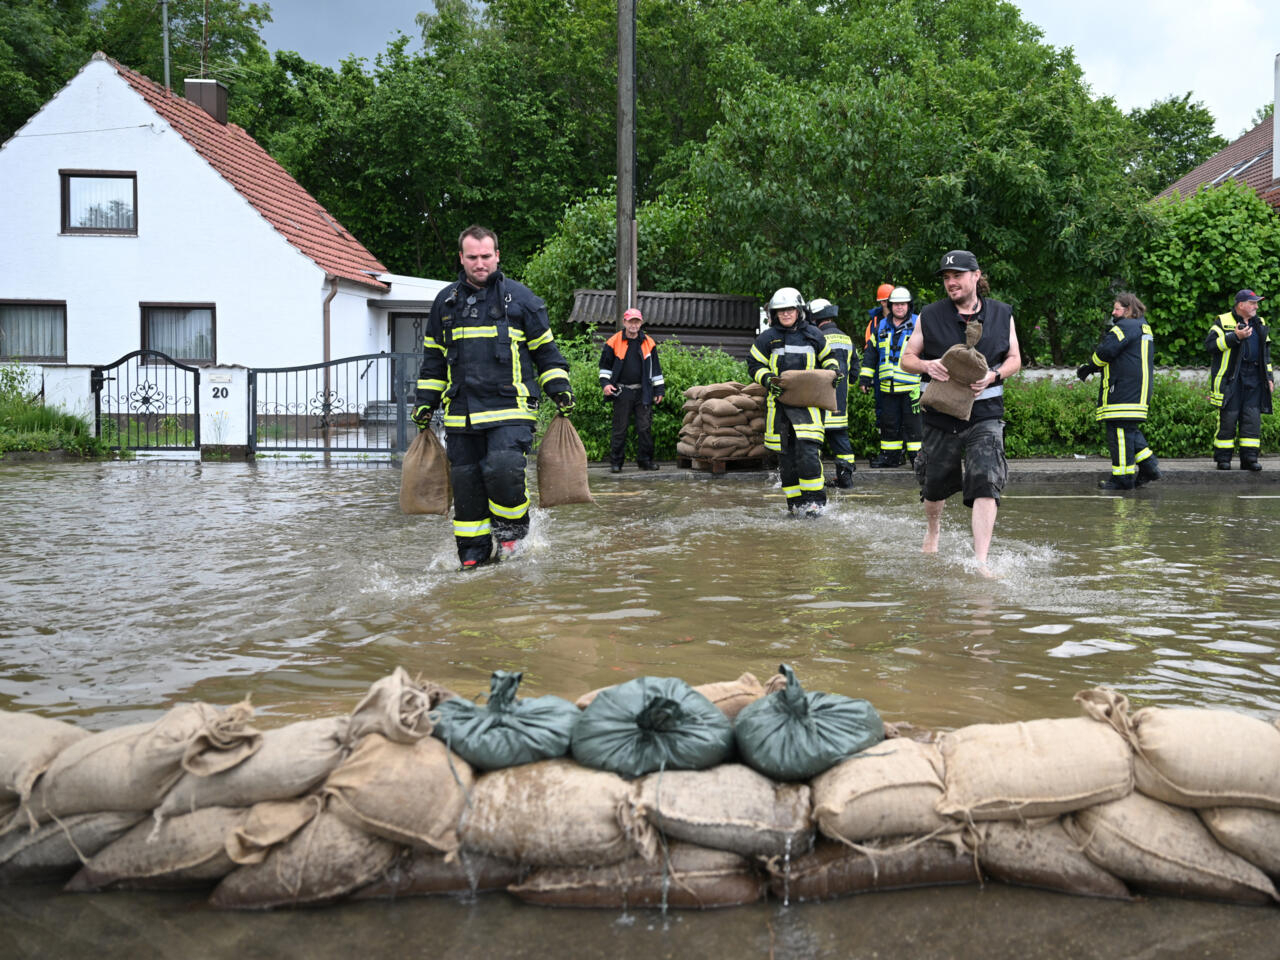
(984, 288)
(1133, 307)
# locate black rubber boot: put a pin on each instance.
(1250, 465)
(1115, 483)
(647, 465)
(844, 475)
(887, 460)
(1148, 471)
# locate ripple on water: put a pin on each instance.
(1047, 628)
(1088, 648)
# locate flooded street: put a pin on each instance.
(125, 587)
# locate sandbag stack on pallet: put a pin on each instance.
(672, 811)
(723, 421)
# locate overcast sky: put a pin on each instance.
(1135, 51)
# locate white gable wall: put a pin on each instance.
(198, 241)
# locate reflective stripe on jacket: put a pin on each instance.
(884, 355)
(652, 382)
(800, 347)
(1126, 357)
(1224, 357)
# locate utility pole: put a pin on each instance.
(626, 286)
(164, 16)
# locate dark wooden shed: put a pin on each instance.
(695, 319)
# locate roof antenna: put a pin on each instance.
(164, 16)
(204, 49)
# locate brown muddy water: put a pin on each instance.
(126, 587)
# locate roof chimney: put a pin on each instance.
(210, 95)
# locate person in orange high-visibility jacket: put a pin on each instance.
(631, 378)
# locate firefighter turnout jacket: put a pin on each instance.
(486, 354)
(1126, 357)
(1224, 357)
(883, 355)
(841, 345)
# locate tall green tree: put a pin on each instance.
(1175, 135)
(1207, 246)
(42, 44)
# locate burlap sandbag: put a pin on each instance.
(28, 745)
(1193, 757)
(689, 418)
(188, 850)
(745, 403)
(1039, 853)
(555, 813)
(720, 422)
(809, 388)
(759, 450)
(720, 408)
(897, 863)
(729, 807)
(1252, 833)
(292, 760)
(1038, 768)
(397, 708)
(723, 448)
(562, 465)
(425, 486)
(132, 767)
(56, 850)
(754, 390)
(421, 873)
(325, 860)
(686, 878)
(270, 824)
(1165, 849)
(693, 394)
(886, 790)
(720, 391)
(729, 695)
(686, 449)
(407, 793)
(965, 366)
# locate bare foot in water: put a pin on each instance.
(986, 572)
(930, 543)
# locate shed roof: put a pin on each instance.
(1248, 159)
(267, 186)
(698, 311)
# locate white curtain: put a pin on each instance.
(184, 333)
(103, 203)
(32, 330)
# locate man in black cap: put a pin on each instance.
(964, 455)
(1240, 380)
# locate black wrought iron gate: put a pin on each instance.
(146, 400)
(352, 405)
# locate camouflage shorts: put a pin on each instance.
(971, 461)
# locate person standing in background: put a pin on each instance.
(1240, 380)
(631, 378)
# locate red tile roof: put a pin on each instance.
(1248, 160)
(239, 159)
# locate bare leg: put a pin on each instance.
(984, 524)
(933, 525)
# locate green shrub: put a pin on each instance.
(27, 424)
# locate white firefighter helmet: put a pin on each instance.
(900, 295)
(786, 298)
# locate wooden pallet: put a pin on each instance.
(723, 466)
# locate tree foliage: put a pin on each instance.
(1207, 246)
(1175, 136)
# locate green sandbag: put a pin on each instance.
(793, 735)
(506, 731)
(651, 723)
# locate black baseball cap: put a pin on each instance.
(1248, 295)
(958, 260)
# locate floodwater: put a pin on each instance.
(126, 587)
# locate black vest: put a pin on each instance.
(942, 328)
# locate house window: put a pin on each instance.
(33, 330)
(182, 331)
(99, 201)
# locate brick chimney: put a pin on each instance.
(210, 95)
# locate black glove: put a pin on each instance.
(422, 414)
(838, 382)
(563, 401)
(1084, 370)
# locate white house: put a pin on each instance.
(138, 219)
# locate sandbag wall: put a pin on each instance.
(1182, 802)
(723, 421)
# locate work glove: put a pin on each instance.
(1084, 370)
(773, 383)
(422, 414)
(838, 382)
(915, 400)
(563, 401)
(864, 383)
